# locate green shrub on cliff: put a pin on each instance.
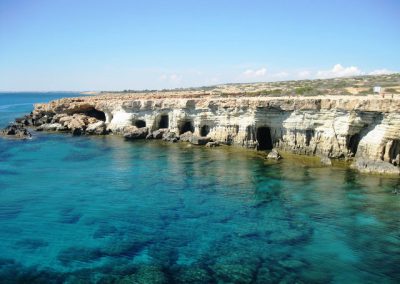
(303, 90)
(392, 91)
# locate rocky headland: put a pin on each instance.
(364, 130)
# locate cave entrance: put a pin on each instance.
(204, 130)
(140, 123)
(186, 126)
(96, 114)
(309, 136)
(164, 121)
(394, 152)
(264, 138)
(352, 143)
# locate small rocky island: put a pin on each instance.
(363, 129)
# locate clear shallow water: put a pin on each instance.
(103, 210)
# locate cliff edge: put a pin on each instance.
(365, 129)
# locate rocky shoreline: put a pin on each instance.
(363, 130)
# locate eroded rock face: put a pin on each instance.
(97, 128)
(51, 127)
(365, 129)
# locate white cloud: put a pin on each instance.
(281, 75)
(250, 73)
(381, 72)
(339, 71)
(304, 74)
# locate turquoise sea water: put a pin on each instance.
(104, 210)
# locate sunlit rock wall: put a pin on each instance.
(365, 129)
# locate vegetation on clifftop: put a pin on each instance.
(359, 85)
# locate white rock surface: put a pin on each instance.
(366, 128)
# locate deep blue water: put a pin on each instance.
(103, 210)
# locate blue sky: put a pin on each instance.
(121, 44)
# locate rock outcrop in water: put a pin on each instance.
(365, 129)
(18, 129)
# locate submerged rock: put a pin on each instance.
(146, 274)
(77, 131)
(31, 244)
(233, 273)
(197, 140)
(274, 155)
(78, 254)
(370, 166)
(326, 161)
(195, 275)
(212, 144)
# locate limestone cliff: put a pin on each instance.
(363, 128)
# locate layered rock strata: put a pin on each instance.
(365, 129)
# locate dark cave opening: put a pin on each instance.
(140, 123)
(309, 136)
(186, 126)
(264, 138)
(164, 121)
(204, 130)
(394, 152)
(96, 114)
(352, 143)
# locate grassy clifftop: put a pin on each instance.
(359, 85)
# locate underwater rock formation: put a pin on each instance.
(364, 129)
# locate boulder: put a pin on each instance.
(97, 128)
(186, 137)
(197, 140)
(170, 137)
(274, 154)
(212, 144)
(16, 131)
(157, 134)
(51, 127)
(372, 166)
(25, 120)
(133, 132)
(37, 121)
(58, 117)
